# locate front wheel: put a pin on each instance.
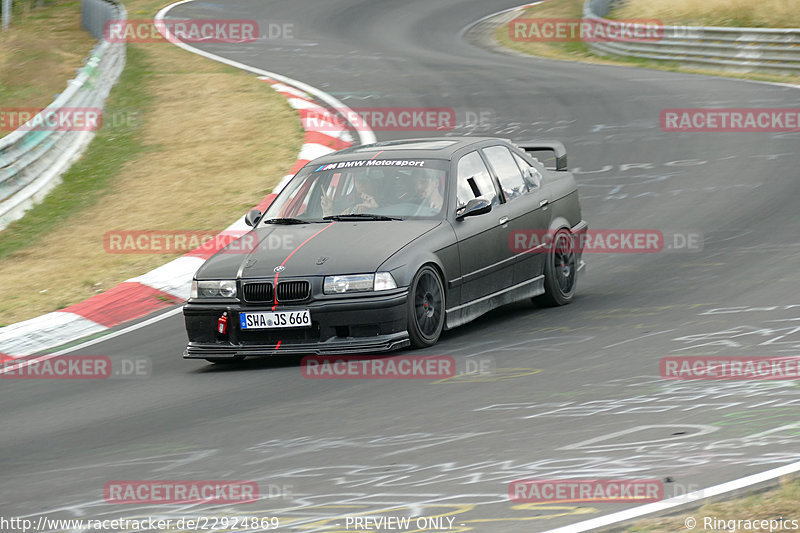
(560, 271)
(425, 308)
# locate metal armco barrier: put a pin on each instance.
(768, 49)
(33, 159)
(96, 13)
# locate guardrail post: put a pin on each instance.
(6, 14)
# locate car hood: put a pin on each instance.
(313, 249)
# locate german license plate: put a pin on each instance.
(275, 319)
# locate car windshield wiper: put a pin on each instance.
(286, 221)
(360, 216)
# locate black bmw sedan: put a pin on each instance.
(383, 246)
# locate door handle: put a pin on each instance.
(503, 221)
(544, 203)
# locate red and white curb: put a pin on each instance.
(170, 284)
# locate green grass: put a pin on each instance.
(178, 145)
(15, 92)
(40, 51)
(114, 144)
(773, 504)
(728, 13)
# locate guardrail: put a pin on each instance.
(33, 158)
(768, 49)
(96, 13)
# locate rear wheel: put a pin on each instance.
(425, 308)
(560, 271)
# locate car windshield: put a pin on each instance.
(372, 189)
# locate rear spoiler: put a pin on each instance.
(557, 147)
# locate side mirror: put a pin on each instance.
(476, 206)
(252, 218)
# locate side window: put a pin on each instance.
(532, 175)
(474, 180)
(507, 171)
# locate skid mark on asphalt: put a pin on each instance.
(743, 330)
(730, 436)
(616, 182)
(498, 374)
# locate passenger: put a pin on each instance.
(428, 185)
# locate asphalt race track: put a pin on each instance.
(574, 392)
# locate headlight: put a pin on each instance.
(214, 289)
(380, 281)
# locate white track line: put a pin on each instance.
(692, 497)
(471, 25)
(165, 277)
(365, 134)
(367, 137)
(11, 367)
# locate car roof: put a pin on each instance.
(422, 148)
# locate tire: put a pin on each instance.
(426, 302)
(560, 271)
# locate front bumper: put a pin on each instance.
(361, 324)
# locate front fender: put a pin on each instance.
(437, 247)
